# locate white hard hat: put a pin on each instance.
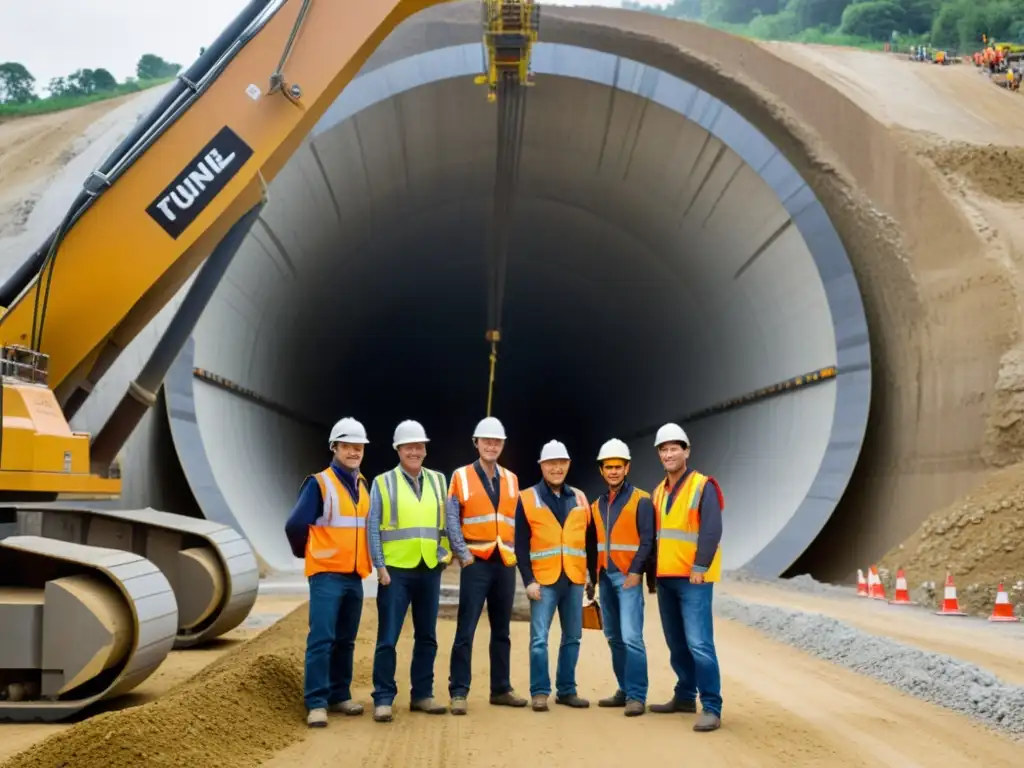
(409, 431)
(613, 449)
(347, 431)
(489, 427)
(669, 433)
(553, 450)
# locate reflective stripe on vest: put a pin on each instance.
(405, 545)
(483, 527)
(679, 528)
(556, 548)
(624, 537)
(337, 540)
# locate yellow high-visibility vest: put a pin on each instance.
(412, 529)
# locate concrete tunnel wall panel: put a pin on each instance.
(406, 156)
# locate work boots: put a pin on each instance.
(347, 707)
(675, 705)
(382, 713)
(540, 703)
(459, 705)
(616, 700)
(431, 706)
(572, 700)
(634, 708)
(317, 718)
(508, 699)
(708, 721)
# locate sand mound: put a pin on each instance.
(993, 170)
(979, 539)
(236, 712)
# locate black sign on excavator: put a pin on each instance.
(194, 188)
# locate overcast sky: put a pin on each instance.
(55, 37)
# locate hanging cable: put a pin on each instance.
(511, 98)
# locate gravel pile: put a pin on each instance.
(934, 677)
(804, 583)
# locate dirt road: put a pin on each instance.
(999, 648)
(955, 102)
(179, 667)
(782, 708)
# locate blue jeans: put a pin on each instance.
(567, 598)
(686, 618)
(623, 613)
(420, 588)
(335, 607)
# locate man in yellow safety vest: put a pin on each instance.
(688, 518)
(481, 524)
(409, 548)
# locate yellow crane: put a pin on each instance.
(91, 600)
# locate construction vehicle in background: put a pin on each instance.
(92, 600)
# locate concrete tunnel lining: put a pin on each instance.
(784, 462)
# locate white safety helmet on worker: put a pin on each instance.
(554, 449)
(409, 431)
(614, 449)
(347, 430)
(671, 433)
(489, 427)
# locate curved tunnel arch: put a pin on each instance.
(765, 542)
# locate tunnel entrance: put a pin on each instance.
(666, 263)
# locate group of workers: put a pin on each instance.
(409, 523)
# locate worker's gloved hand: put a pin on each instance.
(383, 578)
(591, 590)
(533, 591)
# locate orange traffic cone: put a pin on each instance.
(862, 585)
(875, 589)
(902, 593)
(950, 605)
(1003, 609)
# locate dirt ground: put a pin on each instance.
(782, 708)
(179, 667)
(32, 149)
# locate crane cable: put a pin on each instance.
(511, 98)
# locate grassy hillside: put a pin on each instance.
(59, 103)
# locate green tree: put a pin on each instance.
(16, 83)
(817, 13)
(740, 11)
(152, 67)
(875, 20)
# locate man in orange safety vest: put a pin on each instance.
(481, 514)
(688, 514)
(553, 523)
(327, 527)
(624, 523)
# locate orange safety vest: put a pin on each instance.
(623, 544)
(483, 526)
(337, 541)
(553, 547)
(679, 527)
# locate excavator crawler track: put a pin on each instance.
(77, 624)
(211, 568)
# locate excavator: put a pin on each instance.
(93, 599)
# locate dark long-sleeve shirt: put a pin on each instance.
(644, 526)
(710, 535)
(310, 505)
(560, 505)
